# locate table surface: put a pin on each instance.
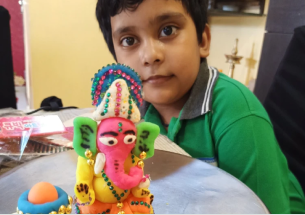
(180, 184)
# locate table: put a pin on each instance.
(179, 183)
(11, 160)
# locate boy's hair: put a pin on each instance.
(108, 8)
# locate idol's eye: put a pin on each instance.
(108, 141)
(128, 139)
(168, 30)
(128, 41)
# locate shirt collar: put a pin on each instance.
(200, 100)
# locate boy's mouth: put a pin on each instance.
(157, 79)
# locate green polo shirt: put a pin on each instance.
(224, 124)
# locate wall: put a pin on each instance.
(16, 35)
(250, 32)
(66, 48)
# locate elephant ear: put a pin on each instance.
(85, 130)
(146, 135)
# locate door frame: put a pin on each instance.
(24, 4)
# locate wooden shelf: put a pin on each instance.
(216, 7)
(231, 13)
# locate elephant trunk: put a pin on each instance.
(114, 169)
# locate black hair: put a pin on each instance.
(105, 9)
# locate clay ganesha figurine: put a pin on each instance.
(109, 175)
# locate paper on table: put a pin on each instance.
(69, 123)
(165, 144)
(66, 114)
(11, 127)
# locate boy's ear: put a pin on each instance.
(205, 44)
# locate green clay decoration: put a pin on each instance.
(146, 134)
(84, 136)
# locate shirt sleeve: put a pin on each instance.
(248, 150)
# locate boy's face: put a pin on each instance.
(159, 41)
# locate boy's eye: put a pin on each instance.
(168, 30)
(128, 41)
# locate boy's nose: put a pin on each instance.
(152, 52)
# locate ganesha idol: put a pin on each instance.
(111, 148)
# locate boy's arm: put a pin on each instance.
(248, 150)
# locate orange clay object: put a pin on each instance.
(42, 192)
(99, 207)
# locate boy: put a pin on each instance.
(209, 115)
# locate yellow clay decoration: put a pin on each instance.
(83, 188)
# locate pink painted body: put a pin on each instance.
(116, 154)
